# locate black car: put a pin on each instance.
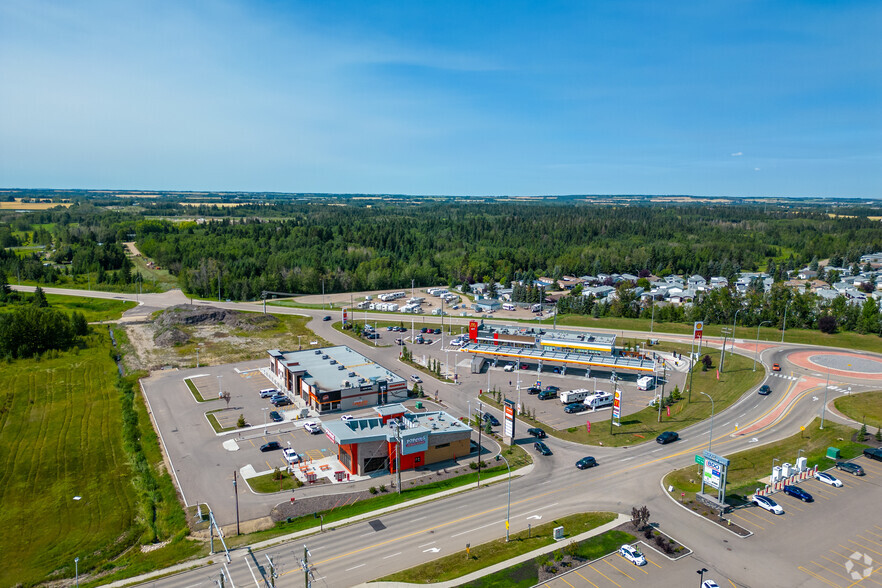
(873, 453)
(851, 468)
(542, 448)
(554, 389)
(437, 331)
(537, 432)
(424, 330)
(271, 446)
(547, 395)
(282, 401)
(494, 422)
(797, 492)
(667, 437)
(533, 390)
(575, 407)
(275, 417)
(326, 318)
(764, 390)
(586, 462)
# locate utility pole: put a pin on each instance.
(480, 418)
(305, 564)
(236, 493)
(725, 332)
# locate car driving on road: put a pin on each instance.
(586, 462)
(542, 448)
(416, 378)
(537, 432)
(764, 390)
(494, 422)
(667, 437)
(312, 427)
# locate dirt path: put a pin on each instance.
(133, 249)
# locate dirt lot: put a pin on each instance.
(214, 342)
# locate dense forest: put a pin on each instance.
(301, 246)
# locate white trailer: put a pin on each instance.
(599, 400)
(571, 396)
(645, 383)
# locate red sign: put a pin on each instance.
(669, 410)
(473, 331)
(588, 426)
(699, 327)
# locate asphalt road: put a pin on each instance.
(625, 477)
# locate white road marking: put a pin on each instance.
(426, 545)
(393, 555)
(356, 567)
(256, 583)
(628, 458)
(478, 528)
(537, 509)
(419, 519)
(654, 450)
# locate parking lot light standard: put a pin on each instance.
(756, 344)
(701, 576)
(711, 439)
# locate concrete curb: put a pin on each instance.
(245, 550)
(661, 482)
(620, 519)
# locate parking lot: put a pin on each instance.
(851, 536)
(614, 571)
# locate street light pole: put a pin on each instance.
(711, 439)
(756, 345)
(824, 406)
(734, 321)
(701, 578)
(784, 324)
(652, 320)
(77, 570)
(264, 419)
(219, 391)
(508, 511)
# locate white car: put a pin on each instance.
(509, 367)
(768, 504)
(709, 584)
(291, 456)
(416, 379)
(346, 417)
(828, 479)
(632, 554)
(312, 427)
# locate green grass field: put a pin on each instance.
(865, 407)
(94, 309)
(487, 554)
(747, 467)
(60, 438)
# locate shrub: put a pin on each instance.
(382, 488)
(878, 434)
(558, 555)
(372, 490)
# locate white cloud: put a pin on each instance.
(737, 154)
(756, 169)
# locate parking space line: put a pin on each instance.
(828, 569)
(864, 546)
(568, 584)
(616, 569)
(788, 503)
(760, 517)
(604, 575)
(872, 533)
(731, 582)
(586, 579)
(652, 562)
(835, 563)
(747, 521)
(638, 567)
(821, 578)
(268, 464)
(252, 443)
(821, 489)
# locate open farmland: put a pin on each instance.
(60, 424)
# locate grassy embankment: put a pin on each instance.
(643, 425)
(865, 407)
(748, 467)
(515, 455)
(68, 429)
(481, 556)
(93, 309)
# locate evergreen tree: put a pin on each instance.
(39, 299)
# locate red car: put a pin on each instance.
(776, 367)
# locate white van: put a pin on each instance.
(508, 306)
(645, 383)
(599, 400)
(574, 396)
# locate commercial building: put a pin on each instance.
(336, 378)
(371, 444)
(559, 348)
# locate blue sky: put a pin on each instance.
(736, 97)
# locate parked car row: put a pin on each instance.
(277, 399)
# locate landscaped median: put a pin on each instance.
(865, 408)
(536, 542)
(747, 468)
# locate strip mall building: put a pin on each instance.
(371, 444)
(336, 378)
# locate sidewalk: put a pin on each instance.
(245, 551)
(620, 519)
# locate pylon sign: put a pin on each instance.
(699, 327)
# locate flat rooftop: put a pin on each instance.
(373, 429)
(329, 366)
